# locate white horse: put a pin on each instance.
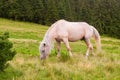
(66, 31)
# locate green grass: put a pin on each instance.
(26, 65)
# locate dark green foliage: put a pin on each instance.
(103, 14)
(6, 53)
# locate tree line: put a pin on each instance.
(103, 14)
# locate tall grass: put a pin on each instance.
(26, 65)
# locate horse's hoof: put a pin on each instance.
(93, 54)
(86, 56)
(71, 55)
(58, 56)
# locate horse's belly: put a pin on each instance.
(75, 36)
(74, 39)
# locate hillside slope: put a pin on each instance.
(26, 65)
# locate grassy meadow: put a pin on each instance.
(26, 65)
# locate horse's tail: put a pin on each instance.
(97, 39)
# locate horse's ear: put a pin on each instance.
(44, 44)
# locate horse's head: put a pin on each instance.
(44, 49)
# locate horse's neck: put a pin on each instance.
(50, 34)
(49, 38)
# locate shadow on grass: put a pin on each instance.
(10, 73)
(64, 55)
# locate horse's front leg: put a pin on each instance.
(58, 48)
(65, 40)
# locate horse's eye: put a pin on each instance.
(43, 51)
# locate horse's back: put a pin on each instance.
(72, 26)
(73, 30)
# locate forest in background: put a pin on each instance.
(103, 14)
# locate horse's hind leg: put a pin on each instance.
(89, 47)
(65, 40)
(58, 48)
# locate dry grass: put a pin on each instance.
(26, 65)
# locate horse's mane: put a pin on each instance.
(51, 27)
(46, 39)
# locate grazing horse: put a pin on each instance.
(66, 31)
